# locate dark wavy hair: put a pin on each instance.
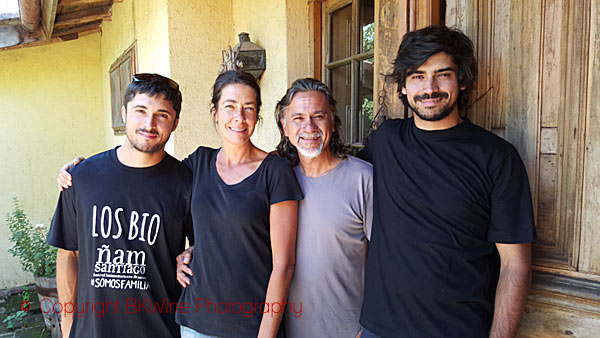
(285, 147)
(232, 77)
(152, 88)
(418, 46)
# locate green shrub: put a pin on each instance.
(29, 243)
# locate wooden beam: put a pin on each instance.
(94, 14)
(90, 31)
(77, 2)
(80, 34)
(64, 36)
(589, 260)
(69, 37)
(48, 16)
(78, 29)
(31, 44)
(424, 13)
(316, 10)
(392, 19)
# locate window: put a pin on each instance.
(121, 73)
(349, 50)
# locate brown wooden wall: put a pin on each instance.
(539, 60)
(539, 65)
(393, 18)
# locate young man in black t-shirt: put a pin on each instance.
(123, 222)
(450, 248)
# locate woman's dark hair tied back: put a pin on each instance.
(235, 77)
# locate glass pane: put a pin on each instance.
(126, 75)
(365, 97)
(115, 99)
(341, 88)
(341, 27)
(367, 25)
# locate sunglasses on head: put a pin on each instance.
(156, 79)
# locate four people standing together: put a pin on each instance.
(445, 208)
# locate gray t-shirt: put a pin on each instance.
(334, 223)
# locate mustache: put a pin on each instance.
(149, 131)
(309, 135)
(430, 96)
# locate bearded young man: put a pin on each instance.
(123, 222)
(450, 251)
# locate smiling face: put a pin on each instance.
(236, 113)
(432, 89)
(308, 123)
(149, 121)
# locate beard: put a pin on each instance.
(309, 152)
(146, 148)
(432, 115)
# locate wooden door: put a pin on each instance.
(539, 83)
(539, 66)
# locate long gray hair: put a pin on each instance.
(285, 147)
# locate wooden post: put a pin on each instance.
(393, 18)
(48, 16)
(315, 8)
(425, 13)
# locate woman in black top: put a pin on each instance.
(244, 207)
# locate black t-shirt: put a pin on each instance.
(129, 225)
(232, 259)
(442, 199)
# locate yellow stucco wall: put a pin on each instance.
(51, 98)
(134, 20)
(281, 28)
(198, 31)
(265, 21)
(299, 53)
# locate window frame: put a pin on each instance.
(116, 99)
(353, 60)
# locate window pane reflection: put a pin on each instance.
(367, 26)
(341, 88)
(365, 98)
(352, 42)
(341, 28)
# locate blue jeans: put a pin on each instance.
(186, 332)
(367, 334)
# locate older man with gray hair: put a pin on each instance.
(334, 219)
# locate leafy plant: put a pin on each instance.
(25, 293)
(367, 110)
(368, 37)
(16, 319)
(29, 243)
